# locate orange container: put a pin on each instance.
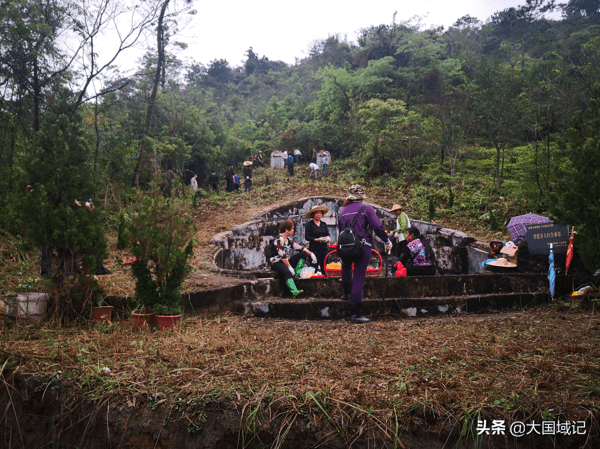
(334, 271)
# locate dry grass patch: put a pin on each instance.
(523, 365)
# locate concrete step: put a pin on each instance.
(464, 293)
(310, 308)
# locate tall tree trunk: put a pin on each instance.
(36, 96)
(159, 63)
(97, 138)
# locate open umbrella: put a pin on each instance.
(551, 273)
(517, 225)
(570, 249)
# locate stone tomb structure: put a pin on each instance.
(244, 249)
(461, 285)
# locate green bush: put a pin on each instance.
(450, 202)
(161, 233)
(54, 211)
(431, 209)
(576, 199)
(122, 236)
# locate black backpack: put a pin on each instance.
(349, 244)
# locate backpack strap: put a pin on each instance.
(364, 241)
(357, 215)
(356, 218)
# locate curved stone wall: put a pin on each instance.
(245, 247)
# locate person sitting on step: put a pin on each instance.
(281, 259)
(419, 260)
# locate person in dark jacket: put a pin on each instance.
(317, 234)
(213, 181)
(229, 178)
(353, 282)
(280, 255)
(259, 161)
(247, 175)
(290, 165)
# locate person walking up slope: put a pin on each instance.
(362, 215)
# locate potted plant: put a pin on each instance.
(101, 311)
(161, 233)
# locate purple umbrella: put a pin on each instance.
(517, 225)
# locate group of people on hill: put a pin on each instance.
(411, 249)
(295, 157)
(233, 180)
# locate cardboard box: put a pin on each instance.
(510, 253)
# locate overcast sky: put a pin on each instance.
(283, 30)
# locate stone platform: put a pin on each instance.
(384, 297)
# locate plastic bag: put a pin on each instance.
(307, 272)
(400, 270)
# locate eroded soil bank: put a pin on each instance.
(42, 413)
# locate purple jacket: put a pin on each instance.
(367, 217)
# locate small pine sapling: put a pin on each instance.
(450, 203)
(122, 235)
(493, 221)
(431, 209)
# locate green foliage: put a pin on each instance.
(431, 209)
(493, 220)
(161, 234)
(576, 201)
(10, 219)
(58, 172)
(450, 202)
(122, 236)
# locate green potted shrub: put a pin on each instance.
(160, 231)
(101, 311)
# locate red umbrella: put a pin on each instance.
(570, 249)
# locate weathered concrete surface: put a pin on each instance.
(218, 301)
(314, 308)
(405, 296)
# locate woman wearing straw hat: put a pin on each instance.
(354, 282)
(317, 235)
(402, 224)
(247, 174)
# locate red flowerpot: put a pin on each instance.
(102, 313)
(165, 321)
(144, 318)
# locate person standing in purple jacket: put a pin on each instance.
(353, 282)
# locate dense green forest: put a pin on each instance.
(515, 99)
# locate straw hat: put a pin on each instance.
(356, 192)
(321, 208)
(503, 263)
(394, 208)
(247, 163)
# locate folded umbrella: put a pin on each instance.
(551, 273)
(570, 249)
